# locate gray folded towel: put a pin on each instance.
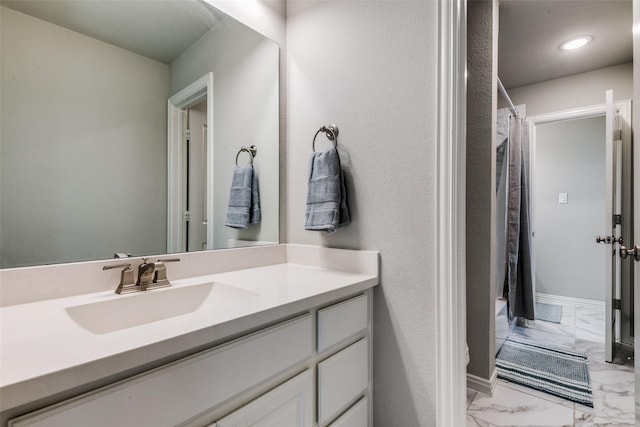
(244, 198)
(326, 196)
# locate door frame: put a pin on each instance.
(636, 197)
(450, 279)
(190, 95)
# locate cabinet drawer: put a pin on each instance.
(288, 405)
(174, 393)
(341, 321)
(356, 416)
(342, 378)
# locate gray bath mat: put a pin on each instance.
(555, 371)
(548, 312)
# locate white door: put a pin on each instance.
(613, 227)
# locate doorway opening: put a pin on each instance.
(581, 192)
(576, 158)
(190, 198)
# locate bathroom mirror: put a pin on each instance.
(85, 89)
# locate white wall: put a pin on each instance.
(575, 91)
(570, 158)
(371, 68)
(103, 118)
(246, 93)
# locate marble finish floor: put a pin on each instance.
(582, 330)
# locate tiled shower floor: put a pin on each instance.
(582, 330)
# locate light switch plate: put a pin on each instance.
(563, 198)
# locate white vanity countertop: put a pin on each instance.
(43, 352)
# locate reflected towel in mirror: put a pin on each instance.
(326, 194)
(244, 198)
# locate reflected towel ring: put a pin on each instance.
(331, 131)
(252, 150)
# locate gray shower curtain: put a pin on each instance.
(518, 285)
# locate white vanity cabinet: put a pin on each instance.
(311, 371)
(175, 393)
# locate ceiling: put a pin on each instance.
(157, 29)
(531, 32)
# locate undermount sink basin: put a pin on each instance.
(126, 311)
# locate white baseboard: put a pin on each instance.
(557, 299)
(483, 385)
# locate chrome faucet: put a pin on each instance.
(145, 273)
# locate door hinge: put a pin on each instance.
(187, 216)
(617, 219)
(617, 135)
(617, 304)
(187, 134)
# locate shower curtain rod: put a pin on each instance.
(504, 93)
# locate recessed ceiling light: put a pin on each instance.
(576, 43)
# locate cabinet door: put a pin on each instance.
(288, 405)
(342, 379)
(356, 416)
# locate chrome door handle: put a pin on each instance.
(635, 252)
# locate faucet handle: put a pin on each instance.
(109, 267)
(160, 275)
(126, 276)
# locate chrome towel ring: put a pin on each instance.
(252, 150)
(331, 131)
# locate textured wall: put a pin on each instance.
(481, 187)
(370, 67)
